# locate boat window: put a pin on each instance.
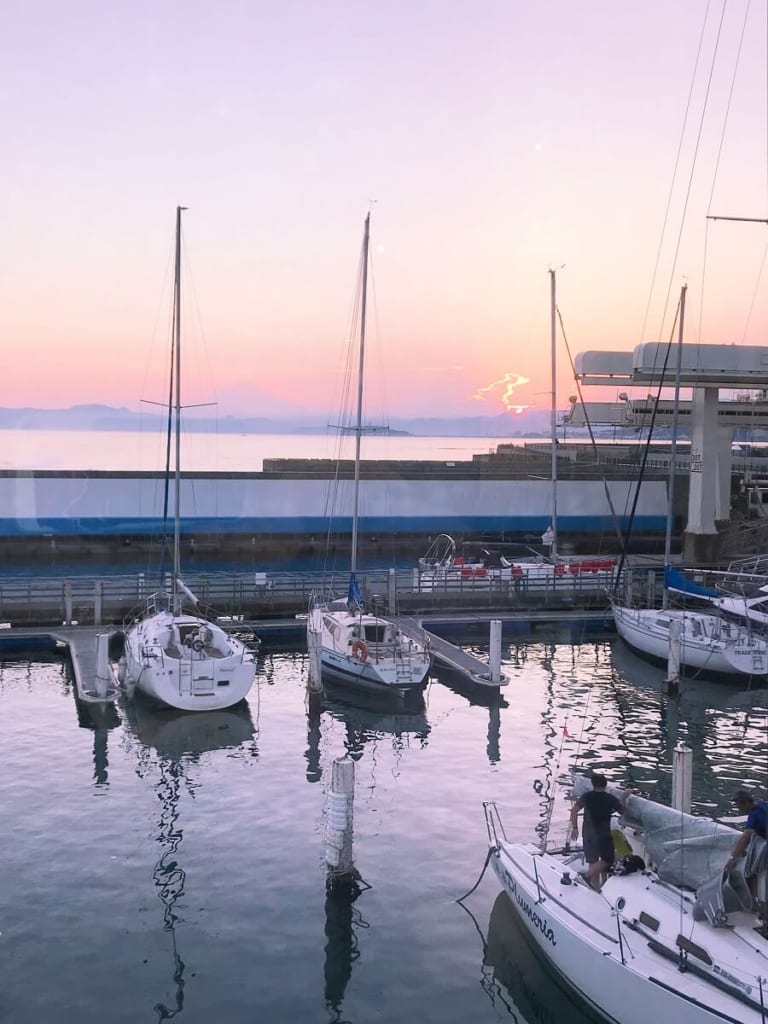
(648, 921)
(375, 634)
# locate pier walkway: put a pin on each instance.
(93, 683)
(455, 659)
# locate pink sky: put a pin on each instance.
(498, 139)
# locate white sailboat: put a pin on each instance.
(361, 650)
(180, 657)
(708, 642)
(678, 939)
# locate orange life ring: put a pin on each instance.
(360, 650)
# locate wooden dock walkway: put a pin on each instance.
(458, 661)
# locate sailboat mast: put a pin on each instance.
(553, 408)
(673, 446)
(360, 369)
(177, 408)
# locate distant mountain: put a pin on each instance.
(106, 417)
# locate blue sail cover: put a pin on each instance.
(355, 596)
(674, 580)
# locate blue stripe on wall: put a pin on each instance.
(98, 526)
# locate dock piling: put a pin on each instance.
(673, 660)
(495, 650)
(682, 777)
(314, 649)
(102, 677)
(339, 825)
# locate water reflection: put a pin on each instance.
(100, 719)
(522, 986)
(171, 742)
(367, 718)
(342, 920)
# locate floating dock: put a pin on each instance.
(93, 681)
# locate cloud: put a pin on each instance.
(504, 389)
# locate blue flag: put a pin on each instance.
(355, 595)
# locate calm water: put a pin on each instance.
(133, 450)
(160, 867)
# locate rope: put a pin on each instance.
(491, 849)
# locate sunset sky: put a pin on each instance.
(498, 138)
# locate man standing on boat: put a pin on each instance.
(752, 841)
(598, 806)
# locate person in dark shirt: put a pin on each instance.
(755, 826)
(598, 807)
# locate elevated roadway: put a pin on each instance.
(704, 369)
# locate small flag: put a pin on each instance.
(565, 732)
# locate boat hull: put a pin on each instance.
(576, 931)
(706, 643)
(182, 677)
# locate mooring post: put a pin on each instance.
(140, 586)
(392, 592)
(495, 650)
(98, 601)
(682, 778)
(314, 649)
(102, 678)
(339, 825)
(67, 603)
(651, 588)
(673, 659)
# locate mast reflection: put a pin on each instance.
(170, 744)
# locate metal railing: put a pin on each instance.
(99, 600)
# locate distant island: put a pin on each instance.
(533, 423)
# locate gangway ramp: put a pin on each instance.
(81, 643)
(466, 665)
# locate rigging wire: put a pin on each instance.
(717, 162)
(608, 497)
(646, 450)
(675, 170)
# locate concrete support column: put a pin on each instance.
(700, 540)
(724, 473)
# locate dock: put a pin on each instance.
(456, 660)
(93, 683)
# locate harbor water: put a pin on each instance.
(159, 866)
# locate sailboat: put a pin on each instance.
(670, 936)
(357, 648)
(174, 653)
(708, 642)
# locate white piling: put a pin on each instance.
(339, 824)
(682, 777)
(495, 651)
(314, 649)
(673, 659)
(140, 584)
(67, 604)
(103, 675)
(98, 601)
(392, 592)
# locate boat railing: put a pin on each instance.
(493, 823)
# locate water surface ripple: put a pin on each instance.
(163, 866)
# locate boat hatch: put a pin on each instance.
(648, 921)
(694, 950)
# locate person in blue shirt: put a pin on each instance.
(755, 825)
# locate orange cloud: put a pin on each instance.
(504, 389)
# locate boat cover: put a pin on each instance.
(684, 849)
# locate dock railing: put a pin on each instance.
(110, 599)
